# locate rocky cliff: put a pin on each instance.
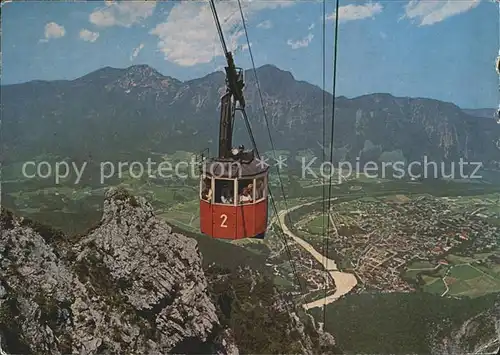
(262, 320)
(130, 286)
(479, 334)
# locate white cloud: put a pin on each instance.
(357, 12)
(53, 30)
(301, 43)
(136, 51)
(245, 46)
(88, 36)
(383, 35)
(265, 24)
(123, 13)
(430, 12)
(188, 37)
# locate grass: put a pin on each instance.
(369, 199)
(493, 270)
(224, 254)
(317, 225)
(435, 286)
(368, 179)
(184, 214)
(457, 287)
(464, 272)
(277, 153)
(421, 265)
(409, 274)
(459, 259)
(280, 281)
(415, 268)
(462, 280)
(483, 284)
(307, 154)
(181, 219)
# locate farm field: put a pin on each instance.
(471, 276)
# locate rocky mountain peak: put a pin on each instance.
(143, 69)
(119, 203)
(135, 77)
(271, 69)
(270, 74)
(102, 74)
(130, 285)
(145, 77)
(145, 111)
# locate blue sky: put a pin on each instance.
(439, 49)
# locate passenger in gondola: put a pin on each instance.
(207, 194)
(259, 190)
(227, 196)
(245, 196)
(250, 190)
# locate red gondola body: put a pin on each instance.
(228, 222)
(227, 216)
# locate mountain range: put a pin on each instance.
(122, 113)
(481, 112)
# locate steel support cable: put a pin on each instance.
(273, 202)
(262, 105)
(219, 28)
(332, 131)
(250, 133)
(323, 153)
(497, 64)
(247, 123)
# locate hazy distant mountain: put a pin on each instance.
(115, 113)
(481, 112)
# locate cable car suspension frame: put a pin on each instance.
(497, 64)
(234, 87)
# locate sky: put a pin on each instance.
(441, 49)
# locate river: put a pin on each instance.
(344, 282)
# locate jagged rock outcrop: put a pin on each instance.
(262, 320)
(477, 335)
(130, 286)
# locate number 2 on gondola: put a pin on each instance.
(223, 217)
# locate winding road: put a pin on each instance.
(344, 282)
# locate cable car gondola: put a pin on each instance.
(233, 197)
(233, 185)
